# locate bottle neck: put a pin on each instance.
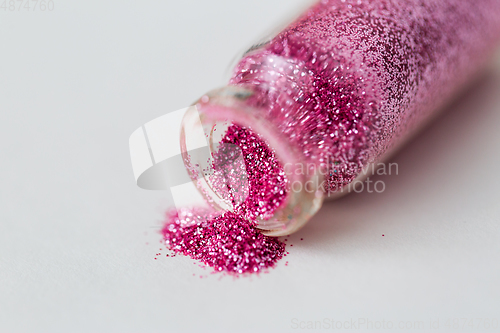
(247, 107)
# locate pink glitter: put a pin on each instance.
(265, 175)
(345, 84)
(350, 80)
(227, 243)
(230, 242)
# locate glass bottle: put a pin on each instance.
(341, 88)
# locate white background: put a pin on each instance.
(76, 81)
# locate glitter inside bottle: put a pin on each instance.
(337, 90)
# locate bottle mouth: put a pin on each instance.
(224, 189)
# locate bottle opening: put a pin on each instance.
(250, 167)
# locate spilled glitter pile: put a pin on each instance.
(226, 242)
(230, 242)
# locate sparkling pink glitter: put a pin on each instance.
(266, 176)
(346, 84)
(226, 242)
(230, 242)
(350, 80)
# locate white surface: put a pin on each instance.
(75, 83)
